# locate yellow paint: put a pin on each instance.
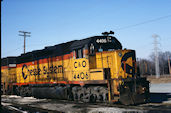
(89, 68)
(8, 76)
(45, 72)
(80, 68)
(4, 75)
(66, 70)
(96, 74)
(112, 60)
(72, 69)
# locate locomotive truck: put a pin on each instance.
(94, 69)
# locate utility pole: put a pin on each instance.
(156, 55)
(24, 34)
(169, 65)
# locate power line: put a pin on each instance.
(24, 35)
(145, 22)
(126, 27)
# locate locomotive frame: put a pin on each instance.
(95, 69)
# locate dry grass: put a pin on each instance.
(162, 79)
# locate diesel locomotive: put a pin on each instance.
(95, 69)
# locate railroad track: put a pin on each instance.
(20, 105)
(18, 108)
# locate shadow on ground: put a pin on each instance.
(159, 97)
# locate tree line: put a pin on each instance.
(147, 66)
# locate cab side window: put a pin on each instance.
(91, 48)
(79, 53)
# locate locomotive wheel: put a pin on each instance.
(22, 92)
(89, 94)
(70, 97)
(75, 97)
(28, 89)
(86, 98)
(17, 91)
(81, 97)
(93, 98)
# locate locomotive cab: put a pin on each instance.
(118, 70)
(105, 63)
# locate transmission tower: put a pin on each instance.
(24, 35)
(156, 55)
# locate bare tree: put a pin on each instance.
(147, 66)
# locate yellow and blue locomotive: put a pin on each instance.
(95, 69)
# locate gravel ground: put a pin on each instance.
(62, 106)
(160, 98)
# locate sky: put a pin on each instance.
(53, 22)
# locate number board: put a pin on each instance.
(104, 40)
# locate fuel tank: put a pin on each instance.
(55, 92)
